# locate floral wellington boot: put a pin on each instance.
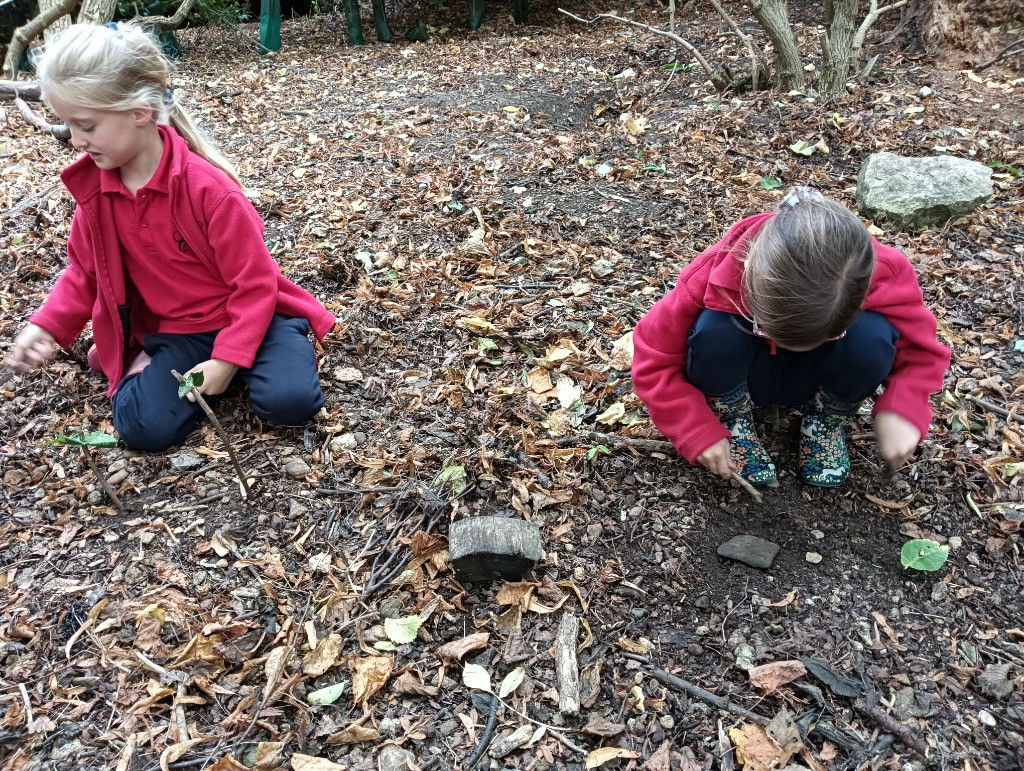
(736, 411)
(824, 459)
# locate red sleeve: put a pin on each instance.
(921, 361)
(246, 267)
(678, 408)
(69, 304)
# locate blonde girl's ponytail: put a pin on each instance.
(120, 67)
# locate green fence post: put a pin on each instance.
(270, 25)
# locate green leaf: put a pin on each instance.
(1018, 345)
(484, 344)
(654, 168)
(402, 630)
(456, 206)
(327, 695)
(512, 681)
(384, 645)
(802, 147)
(679, 67)
(454, 476)
(190, 381)
(476, 677)
(86, 439)
(1012, 469)
(769, 183)
(923, 554)
(593, 451)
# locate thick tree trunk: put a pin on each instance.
(840, 46)
(27, 33)
(58, 26)
(353, 22)
(96, 11)
(773, 16)
(380, 22)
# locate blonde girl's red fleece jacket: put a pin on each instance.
(224, 230)
(714, 280)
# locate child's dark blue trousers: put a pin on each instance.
(723, 353)
(283, 384)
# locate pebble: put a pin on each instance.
(986, 718)
(695, 649)
(117, 477)
(394, 758)
(955, 542)
(296, 468)
(703, 630)
(117, 465)
(146, 537)
(667, 722)
(750, 550)
(347, 441)
(818, 535)
(813, 557)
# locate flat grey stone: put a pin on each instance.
(485, 548)
(296, 468)
(394, 758)
(185, 460)
(919, 192)
(749, 549)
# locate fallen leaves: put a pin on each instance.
(369, 675)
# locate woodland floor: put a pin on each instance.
(486, 222)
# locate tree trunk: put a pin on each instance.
(58, 26)
(773, 16)
(380, 22)
(27, 33)
(476, 13)
(840, 46)
(353, 22)
(521, 11)
(96, 11)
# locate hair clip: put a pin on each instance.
(112, 25)
(798, 195)
(168, 97)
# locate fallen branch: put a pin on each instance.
(87, 452)
(566, 668)
(716, 79)
(1017, 47)
(995, 409)
(220, 432)
(29, 90)
(872, 16)
(59, 131)
(719, 702)
(168, 22)
(755, 62)
(27, 32)
(26, 203)
(893, 726)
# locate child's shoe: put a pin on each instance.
(824, 458)
(736, 411)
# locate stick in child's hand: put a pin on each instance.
(747, 486)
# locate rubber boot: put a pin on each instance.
(736, 411)
(824, 458)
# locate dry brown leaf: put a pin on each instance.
(302, 762)
(601, 756)
(127, 758)
(518, 593)
(660, 760)
(269, 756)
(632, 646)
(409, 683)
(768, 677)
(228, 763)
(355, 733)
(602, 726)
(787, 600)
(276, 660)
(456, 649)
(755, 749)
(369, 674)
(175, 751)
(323, 657)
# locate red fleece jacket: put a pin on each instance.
(221, 226)
(714, 280)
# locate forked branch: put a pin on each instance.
(872, 16)
(716, 80)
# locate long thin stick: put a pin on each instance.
(893, 726)
(993, 408)
(102, 479)
(747, 486)
(221, 432)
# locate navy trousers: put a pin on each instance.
(283, 384)
(723, 354)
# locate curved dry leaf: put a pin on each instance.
(457, 649)
(369, 675)
(323, 657)
(755, 749)
(302, 762)
(175, 751)
(602, 755)
(353, 734)
(269, 756)
(227, 763)
(274, 665)
(768, 677)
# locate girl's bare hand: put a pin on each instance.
(717, 459)
(897, 438)
(217, 376)
(33, 347)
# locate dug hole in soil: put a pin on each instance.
(488, 214)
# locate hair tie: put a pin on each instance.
(168, 97)
(112, 25)
(798, 195)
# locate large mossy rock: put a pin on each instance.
(920, 192)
